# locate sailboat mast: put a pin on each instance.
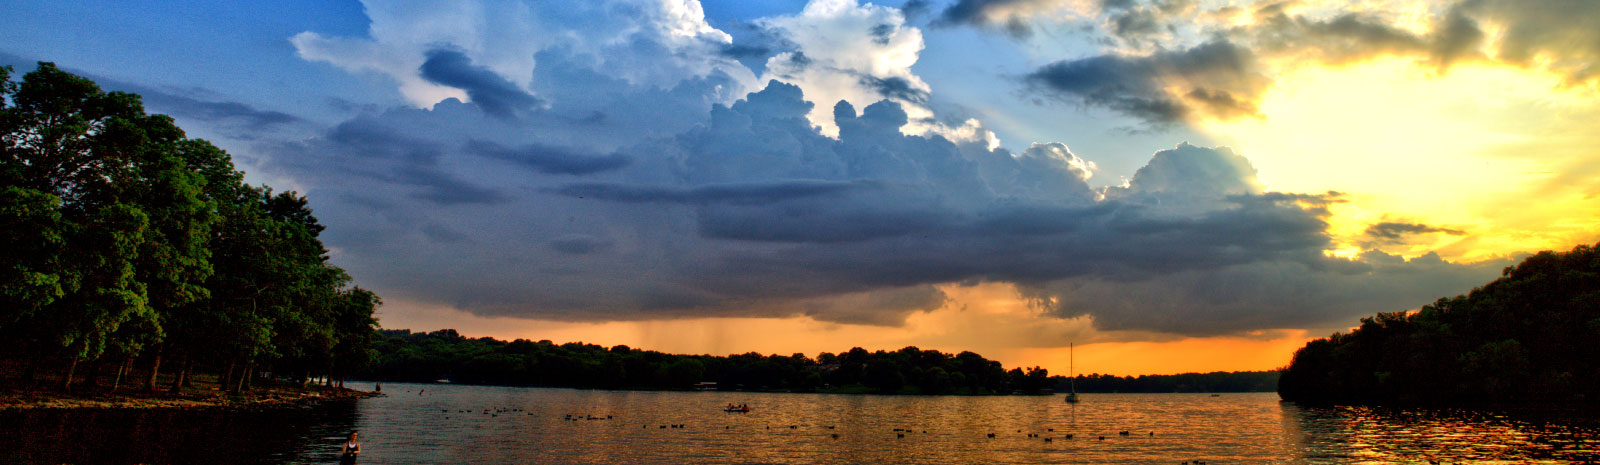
(1072, 367)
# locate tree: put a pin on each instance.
(122, 234)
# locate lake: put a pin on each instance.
(428, 423)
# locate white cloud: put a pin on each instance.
(853, 52)
(646, 42)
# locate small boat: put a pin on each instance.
(739, 409)
(1072, 395)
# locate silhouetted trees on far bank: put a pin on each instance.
(1531, 336)
(426, 357)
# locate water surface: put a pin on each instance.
(418, 424)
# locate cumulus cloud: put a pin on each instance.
(653, 43)
(860, 53)
(754, 212)
(569, 187)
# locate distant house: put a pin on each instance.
(705, 386)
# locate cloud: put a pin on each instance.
(1010, 16)
(1340, 39)
(549, 159)
(1217, 78)
(653, 43)
(490, 92)
(823, 194)
(1396, 232)
(1567, 32)
(843, 50)
(1264, 294)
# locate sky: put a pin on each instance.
(1170, 185)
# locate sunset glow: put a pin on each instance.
(1171, 186)
(1463, 149)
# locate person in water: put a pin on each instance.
(352, 449)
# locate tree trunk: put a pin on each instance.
(244, 377)
(155, 370)
(122, 369)
(180, 378)
(222, 384)
(66, 381)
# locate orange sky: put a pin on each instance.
(989, 319)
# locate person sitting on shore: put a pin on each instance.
(352, 449)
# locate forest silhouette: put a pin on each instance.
(1528, 337)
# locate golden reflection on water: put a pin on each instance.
(450, 425)
(1383, 435)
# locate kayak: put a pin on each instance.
(740, 410)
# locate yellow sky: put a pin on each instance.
(1508, 156)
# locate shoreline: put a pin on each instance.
(261, 397)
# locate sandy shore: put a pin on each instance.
(189, 398)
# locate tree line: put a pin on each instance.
(132, 248)
(1219, 381)
(1529, 336)
(426, 357)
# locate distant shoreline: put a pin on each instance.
(21, 399)
(843, 392)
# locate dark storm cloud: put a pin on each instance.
(1565, 31)
(749, 211)
(1393, 232)
(1009, 16)
(550, 159)
(1218, 75)
(1192, 209)
(490, 92)
(1340, 39)
(754, 193)
(897, 88)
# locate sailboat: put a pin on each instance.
(1072, 378)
